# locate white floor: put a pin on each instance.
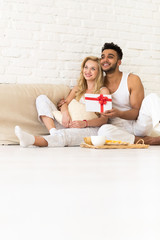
(79, 194)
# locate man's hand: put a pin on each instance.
(60, 103)
(112, 113)
(77, 124)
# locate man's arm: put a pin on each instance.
(136, 90)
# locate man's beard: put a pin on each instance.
(112, 69)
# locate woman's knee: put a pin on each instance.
(41, 99)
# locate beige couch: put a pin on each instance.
(18, 108)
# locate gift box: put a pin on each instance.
(98, 102)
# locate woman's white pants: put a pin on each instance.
(63, 136)
(70, 136)
(45, 107)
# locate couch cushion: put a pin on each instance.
(18, 108)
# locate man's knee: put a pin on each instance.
(105, 129)
(115, 133)
(151, 97)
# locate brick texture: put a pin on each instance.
(45, 41)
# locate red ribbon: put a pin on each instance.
(102, 100)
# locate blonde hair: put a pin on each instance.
(82, 84)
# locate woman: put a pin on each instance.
(70, 133)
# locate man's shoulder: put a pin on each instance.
(133, 76)
(134, 81)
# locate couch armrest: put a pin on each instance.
(18, 108)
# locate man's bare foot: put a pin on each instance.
(149, 140)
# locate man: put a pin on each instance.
(133, 116)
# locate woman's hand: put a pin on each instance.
(77, 124)
(66, 119)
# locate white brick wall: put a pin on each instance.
(44, 41)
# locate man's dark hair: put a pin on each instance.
(115, 47)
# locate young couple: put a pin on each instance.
(131, 118)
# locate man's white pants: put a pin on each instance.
(147, 123)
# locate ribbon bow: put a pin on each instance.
(101, 99)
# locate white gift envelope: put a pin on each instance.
(98, 102)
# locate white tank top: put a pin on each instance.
(121, 101)
(120, 98)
